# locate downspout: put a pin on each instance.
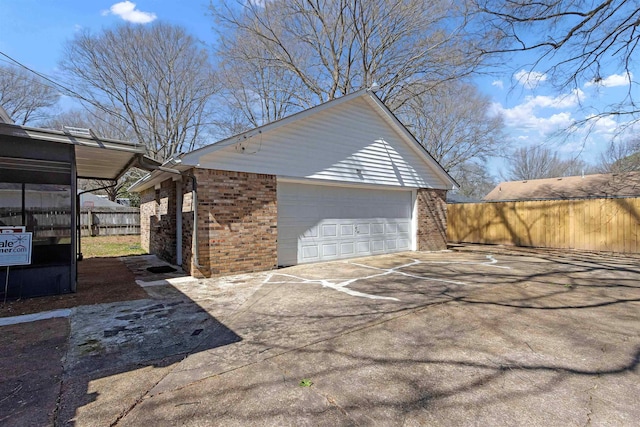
(194, 207)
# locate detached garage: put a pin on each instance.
(341, 180)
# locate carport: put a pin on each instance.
(39, 169)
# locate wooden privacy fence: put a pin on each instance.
(587, 224)
(105, 221)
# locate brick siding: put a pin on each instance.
(432, 220)
(237, 222)
(158, 221)
(147, 211)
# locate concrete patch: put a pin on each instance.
(126, 334)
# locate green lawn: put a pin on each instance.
(109, 246)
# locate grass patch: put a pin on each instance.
(110, 246)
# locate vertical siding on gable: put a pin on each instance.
(350, 142)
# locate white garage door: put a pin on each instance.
(319, 223)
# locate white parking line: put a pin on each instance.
(491, 263)
(340, 287)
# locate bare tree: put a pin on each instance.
(452, 122)
(575, 42)
(621, 157)
(24, 96)
(540, 162)
(474, 179)
(103, 123)
(106, 125)
(317, 50)
(155, 78)
(255, 91)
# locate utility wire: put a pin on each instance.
(63, 87)
(232, 140)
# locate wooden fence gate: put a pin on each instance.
(588, 224)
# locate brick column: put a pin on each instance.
(432, 220)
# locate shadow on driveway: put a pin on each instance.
(485, 336)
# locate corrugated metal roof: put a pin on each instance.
(95, 158)
(570, 187)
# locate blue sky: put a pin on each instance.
(34, 32)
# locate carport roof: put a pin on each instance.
(96, 158)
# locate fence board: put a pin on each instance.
(104, 221)
(588, 224)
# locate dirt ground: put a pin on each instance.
(100, 280)
(480, 336)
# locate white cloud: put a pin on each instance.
(127, 11)
(498, 84)
(614, 80)
(530, 79)
(529, 115)
(603, 125)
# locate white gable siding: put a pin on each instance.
(349, 142)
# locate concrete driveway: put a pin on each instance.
(478, 337)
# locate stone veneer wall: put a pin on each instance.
(237, 222)
(432, 220)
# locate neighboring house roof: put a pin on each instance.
(354, 139)
(92, 200)
(570, 187)
(97, 158)
(4, 117)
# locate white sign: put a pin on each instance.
(12, 229)
(15, 249)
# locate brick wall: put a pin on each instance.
(158, 220)
(187, 225)
(148, 208)
(237, 222)
(432, 220)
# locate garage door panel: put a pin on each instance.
(347, 248)
(363, 229)
(377, 228)
(310, 253)
(318, 223)
(329, 230)
(404, 244)
(329, 250)
(310, 232)
(391, 228)
(377, 246)
(363, 247)
(346, 230)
